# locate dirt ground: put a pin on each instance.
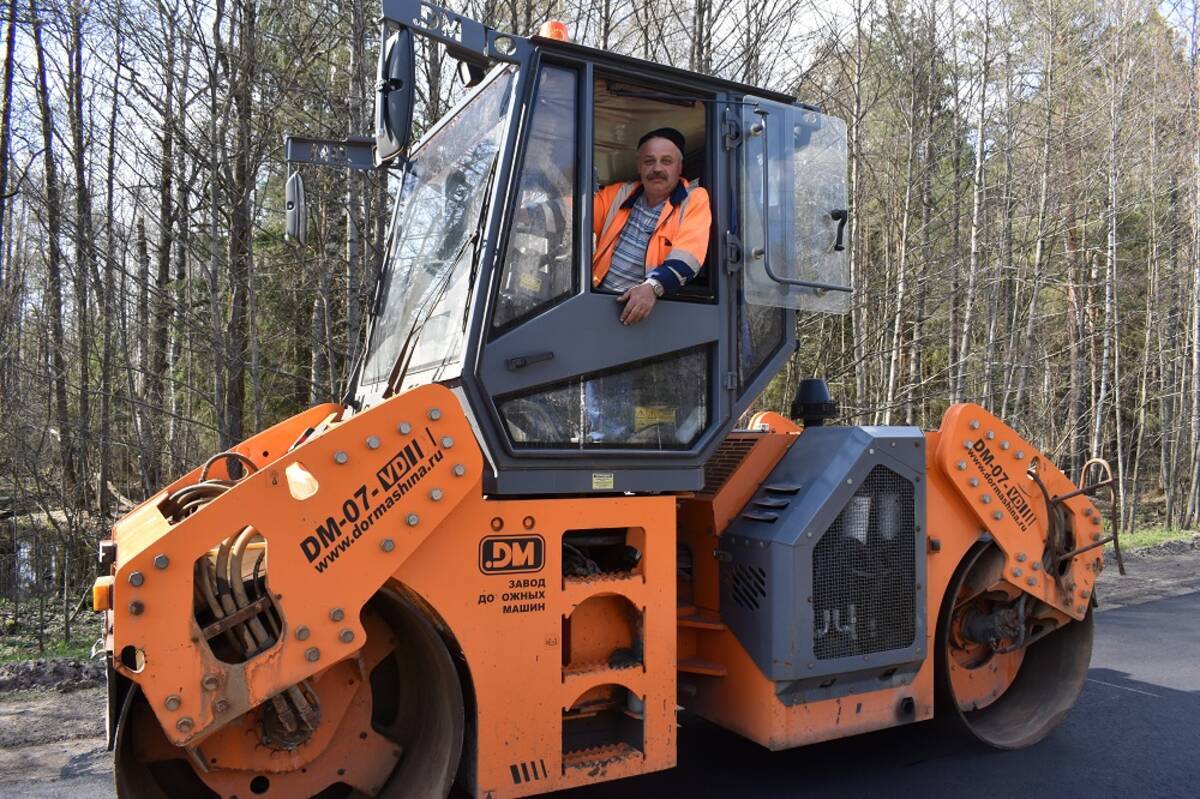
(52, 712)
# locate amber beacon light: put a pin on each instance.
(554, 29)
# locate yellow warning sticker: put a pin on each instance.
(530, 282)
(602, 481)
(650, 415)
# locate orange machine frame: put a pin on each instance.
(402, 481)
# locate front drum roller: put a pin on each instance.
(1007, 700)
(396, 735)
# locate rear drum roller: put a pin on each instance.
(1007, 700)
(397, 734)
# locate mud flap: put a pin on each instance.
(117, 706)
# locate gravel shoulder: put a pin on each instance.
(52, 712)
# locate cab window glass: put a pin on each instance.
(760, 335)
(538, 265)
(622, 114)
(423, 288)
(661, 404)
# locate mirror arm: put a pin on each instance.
(464, 38)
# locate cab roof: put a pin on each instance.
(638, 66)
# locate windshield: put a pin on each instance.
(434, 231)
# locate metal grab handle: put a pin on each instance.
(760, 129)
(840, 216)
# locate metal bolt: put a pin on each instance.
(1020, 455)
(387, 545)
(997, 515)
(1037, 565)
(985, 499)
(136, 579)
(975, 425)
(1079, 608)
(413, 519)
(962, 466)
(302, 633)
(340, 457)
(1095, 536)
(404, 428)
(136, 608)
(990, 435)
(161, 561)
(373, 442)
(967, 444)
(1032, 580)
(184, 725)
(459, 470)
(1017, 572)
(447, 442)
(211, 682)
(974, 482)
(1085, 593)
(1020, 557)
(849, 481)
(1004, 445)
(312, 654)
(1096, 520)
(173, 702)
(436, 495)
(346, 636)
(337, 614)
(221, 706)
(435, 414)
(1087, 511)
(810, 534)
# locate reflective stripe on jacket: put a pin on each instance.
(678, 245)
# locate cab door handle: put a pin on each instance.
(840, 216)
(521, 361)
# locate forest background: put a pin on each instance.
(1025, 234)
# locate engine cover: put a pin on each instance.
(823, 571)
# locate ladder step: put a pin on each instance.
(698, 666)
(783, 488)
(701, 621)
(771, 502)
(764, 516)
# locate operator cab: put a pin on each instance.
(487, 284)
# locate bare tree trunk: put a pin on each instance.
(10, 46)
(108, 289)
(977, 218)
(54, 262)
(857, 309)
(897, 343)
(85, 252)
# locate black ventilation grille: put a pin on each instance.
(725, 461)
(528, 771)
(747, 585)
(864, 572)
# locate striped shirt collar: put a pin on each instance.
(678, 194)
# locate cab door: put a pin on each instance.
(567, 398)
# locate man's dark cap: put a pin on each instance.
(670, 134)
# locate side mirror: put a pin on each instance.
(395, 87)
(297, 216)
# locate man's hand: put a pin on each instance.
(639, 301)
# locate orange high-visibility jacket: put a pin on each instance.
(680, 241)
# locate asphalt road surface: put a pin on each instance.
(1134, 734)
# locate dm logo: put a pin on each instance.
(508, 554)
